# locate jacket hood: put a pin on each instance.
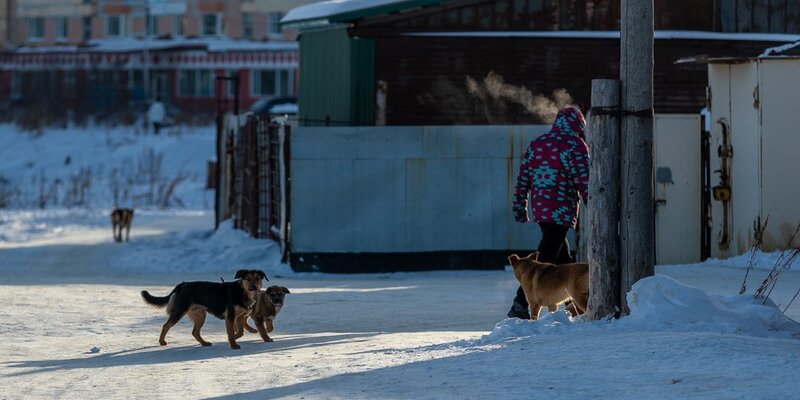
(569, 121)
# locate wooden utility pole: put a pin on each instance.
(637, 224)
(603, 215)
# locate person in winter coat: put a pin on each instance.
(555, 173)
(156, 114)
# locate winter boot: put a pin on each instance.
(518, 311)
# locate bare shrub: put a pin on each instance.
(48, 191)
(9, 193)
(78, 188)
(784, 263)
(166, 192)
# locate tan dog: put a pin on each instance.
(268, 305)
(549, 285)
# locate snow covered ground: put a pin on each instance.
(73, 326)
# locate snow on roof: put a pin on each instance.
(778, 50)
(659, 35)
(320, 13)
(135, 44)
(328, 8)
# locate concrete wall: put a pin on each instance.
(407, 189)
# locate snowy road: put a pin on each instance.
(73, 326)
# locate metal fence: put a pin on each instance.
(254, 177)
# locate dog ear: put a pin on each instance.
(261, 273)
(533, 256)
(240, 273)
(285, 290)
(513, 258)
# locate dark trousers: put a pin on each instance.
(553, 248)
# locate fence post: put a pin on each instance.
(603, 209)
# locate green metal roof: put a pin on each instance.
(343, 11)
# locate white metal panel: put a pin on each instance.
(677, 168)
(407, 189)
(745, 165)
(780, 142)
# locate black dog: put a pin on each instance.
(121, 218)
(228, 301)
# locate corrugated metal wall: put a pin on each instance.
(407, 189)
(336, 79)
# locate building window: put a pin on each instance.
(177, 25)
(69, 82)
(152, 25)
(16, 85)
(115, 26)
(36, 28)
(272, 83)
(212, 25)
(231, 84)
(87, 28)
(247, 25)
(195, 83)
(275, 23)
(62, 28)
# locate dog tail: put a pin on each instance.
(159, 301)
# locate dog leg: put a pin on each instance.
(581, 302)
(249, 328)
(171, 321)
(270, 326)
(127, 233)
(240, 326)
(199, 319)
(230, 328)
(535, 310)
(552, 307)
(262, 330)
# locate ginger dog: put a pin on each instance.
(549, 285)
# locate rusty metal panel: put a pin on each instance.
(719, 78)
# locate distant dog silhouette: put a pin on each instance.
(121, 218)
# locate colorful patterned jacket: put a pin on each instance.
(555, 171)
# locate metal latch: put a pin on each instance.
(721, 193)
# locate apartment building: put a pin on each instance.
(104, 56)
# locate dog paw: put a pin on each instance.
(205, 344)
(267, 340)
(162, 342)
(235, 346)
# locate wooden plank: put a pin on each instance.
(637, 219)
(793, 17)
(777, 16)
(727, 15)
(761, 15)
(744, 16)
(603, 208)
